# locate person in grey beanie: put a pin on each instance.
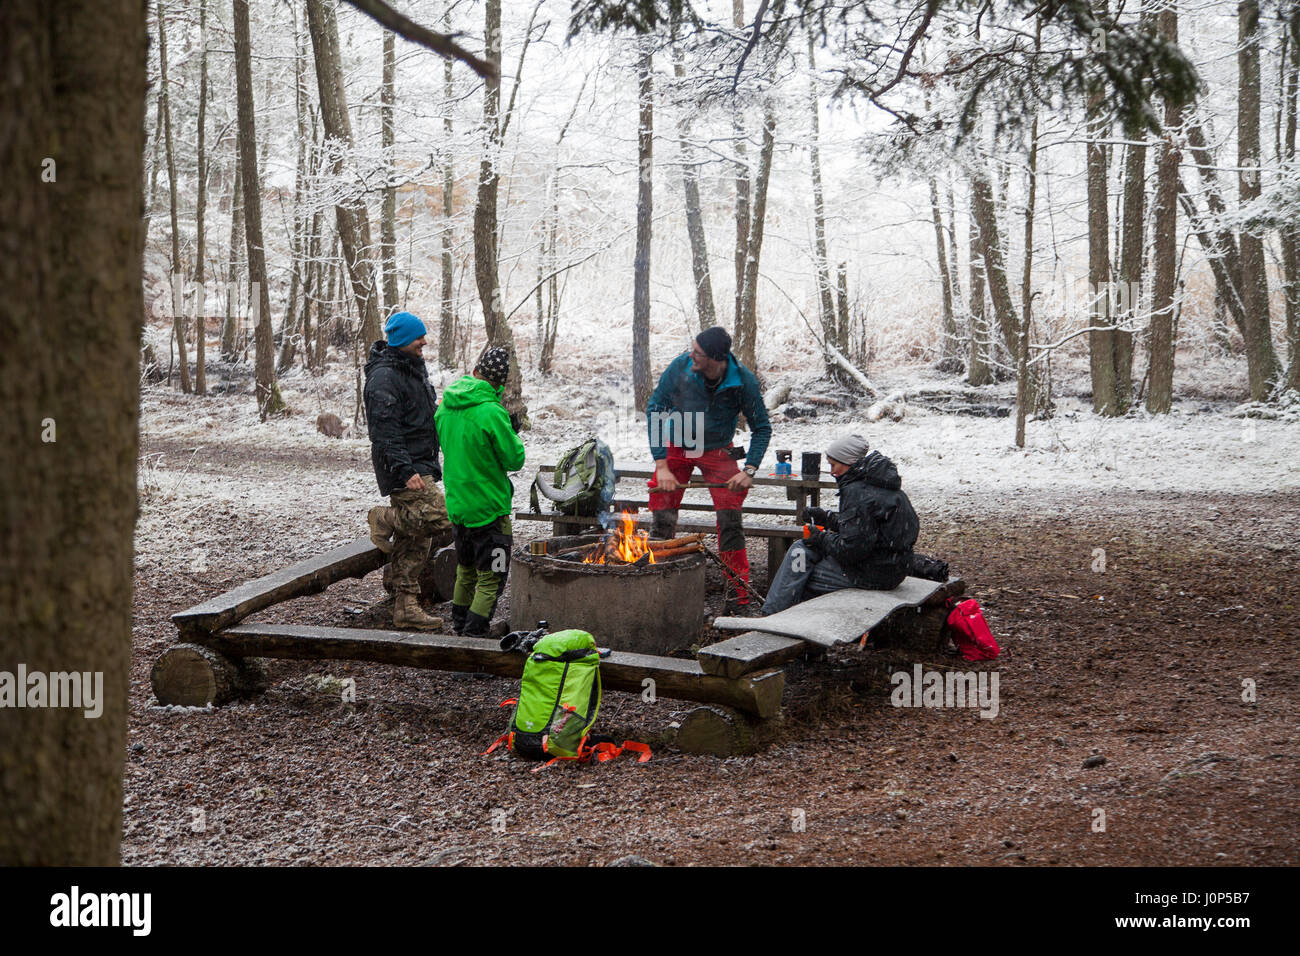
(867, 544)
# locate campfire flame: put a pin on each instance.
(625, 544)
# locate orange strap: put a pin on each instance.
(508, 701)
(499, 741)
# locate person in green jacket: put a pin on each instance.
(479, 447)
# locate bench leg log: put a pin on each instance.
(721, 732)
(191, 675)
(917, 633)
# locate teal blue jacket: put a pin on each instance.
(673, 413)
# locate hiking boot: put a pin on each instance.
(458, 615)
(380, 520)
(408, 615)
(476, 625)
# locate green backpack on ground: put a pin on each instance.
(583, 483)
(559, 698)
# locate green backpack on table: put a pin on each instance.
(559, 698)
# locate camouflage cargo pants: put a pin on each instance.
(419, 519)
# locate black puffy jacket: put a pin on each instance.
(400, 404)
(873, 534)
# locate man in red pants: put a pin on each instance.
(692, 421)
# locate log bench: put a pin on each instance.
(215, 657)
(739, 681)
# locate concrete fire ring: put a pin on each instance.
(653, 609)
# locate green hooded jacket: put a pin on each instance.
(478, 448)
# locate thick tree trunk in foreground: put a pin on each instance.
(73, 257)
(641, 383)
(268, 392)
(1160, 390)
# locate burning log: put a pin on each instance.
(693, 547)
(672, 544)
(624, 545)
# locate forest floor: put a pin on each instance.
(1141, 655)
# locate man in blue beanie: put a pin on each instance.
(400, 405)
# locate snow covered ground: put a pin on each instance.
(206, 462)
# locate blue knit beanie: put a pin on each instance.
(403, 328)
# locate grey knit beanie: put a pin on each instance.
(848, 449)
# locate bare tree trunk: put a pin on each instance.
(1261, 360)
(819, 211)
(486, 270)
(352, 219)
(994, 270)
(1101, 341)
(948, 348)
(706, 316)
(229, 327)
(268, 392)
(641, 384)
(289, 330)
(1130, 269)
(978, 372)
(742, 191)
(200, 250)
(154, 165)
(1289, 235)
(178, 275)
(1024, 387)
(388, 218)
(78, 73)
(842, 323)
(747, 331)
(1160, 390)
(447, 316)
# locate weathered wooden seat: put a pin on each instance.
(757, 693)
(355, 559)
(830, 619)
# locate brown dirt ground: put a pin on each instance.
(1142, 664)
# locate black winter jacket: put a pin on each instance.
(400, 404)
(873, 534)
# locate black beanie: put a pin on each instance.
(714, 342)
(494, 364)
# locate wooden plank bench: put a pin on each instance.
(355, 559)
(757, 693)
(835, 618)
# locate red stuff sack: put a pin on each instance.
(970, 632)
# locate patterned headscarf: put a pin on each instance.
(494, 364)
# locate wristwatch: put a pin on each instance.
(751, 470)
